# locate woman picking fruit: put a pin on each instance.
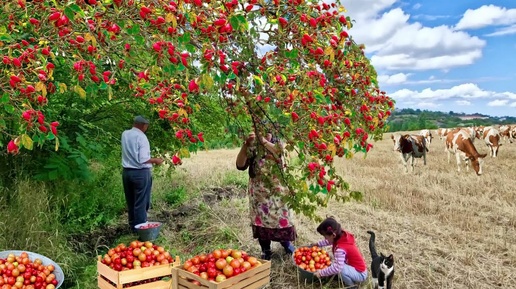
(348, 261)
(270, 216)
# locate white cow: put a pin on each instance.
(441, 133)
(427, 134)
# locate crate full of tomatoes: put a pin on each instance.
(310, 259)
(139, 265)
(223, 268)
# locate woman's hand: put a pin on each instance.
(317, 274)
(250, 139)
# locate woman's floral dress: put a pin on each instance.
(271, 219)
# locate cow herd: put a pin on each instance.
(458, 142)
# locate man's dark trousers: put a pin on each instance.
(137, 188)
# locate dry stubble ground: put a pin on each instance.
(446, 229)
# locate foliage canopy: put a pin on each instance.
(289, 67)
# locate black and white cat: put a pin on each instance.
(382, 267)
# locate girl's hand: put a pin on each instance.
(317, 274)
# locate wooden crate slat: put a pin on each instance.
(154, 285)
(183, 283)
(103, 284)
(252, 279)
(110, 274)
(249, 281)
(145, 273)
(258, 284)
(124, 277)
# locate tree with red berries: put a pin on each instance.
(289, 66)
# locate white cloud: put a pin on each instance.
(513, 104)
(430, 17)
(397, 44)
(504, 31)
(498, 102)
(463, 102)
(393, 79)
(466, 91)
(427, 105)
(487, 15)
(417, 6)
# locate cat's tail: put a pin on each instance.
(372, 247)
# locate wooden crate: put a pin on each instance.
(253, 279)
(107, 276)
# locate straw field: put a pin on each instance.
(446, 229)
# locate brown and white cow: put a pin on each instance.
(513, 131)
(473, 133)
(505, 133)
(442, 132)
(492, 140)
(427, 134)
(410, 146)
(459, 143)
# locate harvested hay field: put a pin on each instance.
(446, 229)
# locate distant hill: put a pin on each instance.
(415, 119)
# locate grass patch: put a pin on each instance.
(175, 196)
(235, 178)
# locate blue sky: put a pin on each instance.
(453, 55)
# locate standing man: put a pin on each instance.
(136, 175)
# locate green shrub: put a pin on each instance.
(175, 196)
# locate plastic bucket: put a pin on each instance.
(304, 275)
(148, 234)
(44, 260)
(307, 276)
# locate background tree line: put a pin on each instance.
(408, 119)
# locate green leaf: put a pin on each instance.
(185, 38)
(235, 23)
(6, 37)
(4, 98)
(3, 29)
(243, 22)
(9, 108)
(103, 86)
(69, 13)
(191, 48)
(75, 8)
(91, 89)
(180, 67)
(50, 136)
(133, 30)
(139, 39)
(2, 124)
(292, 54)
(170, 69)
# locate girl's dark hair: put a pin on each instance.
(329, 227)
